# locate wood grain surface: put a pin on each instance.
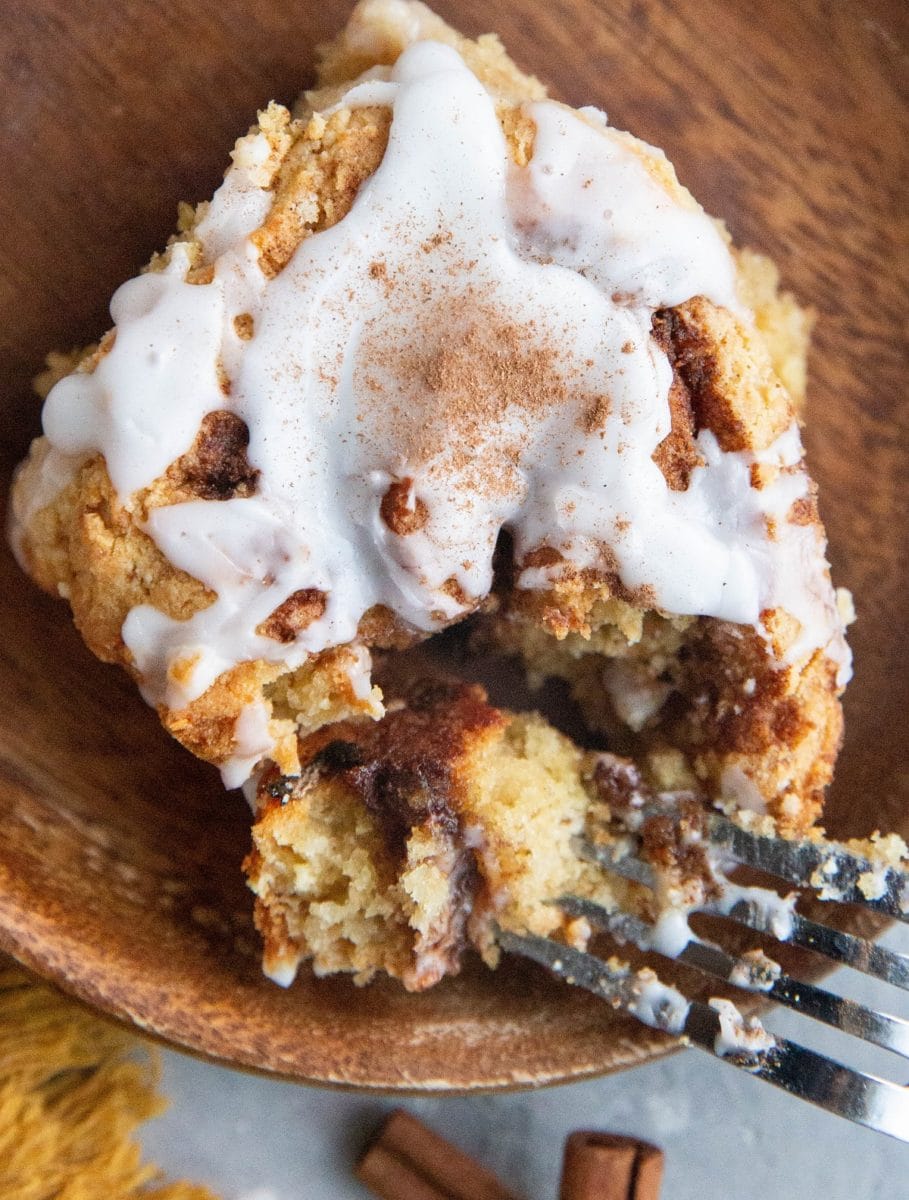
(119, 855)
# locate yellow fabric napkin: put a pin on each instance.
(73, 1089)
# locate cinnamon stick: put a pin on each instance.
(607, 1166)
(408, 1161)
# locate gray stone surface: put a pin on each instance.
(725, 1134)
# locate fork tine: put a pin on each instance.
(613, 859)
(836, 872)
(862, 1098)
(856, 952)
(882, 1029)
(760, 908)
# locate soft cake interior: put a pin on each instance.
(403, 840)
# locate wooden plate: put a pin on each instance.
(119, 854)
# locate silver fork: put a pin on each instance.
(832, 872)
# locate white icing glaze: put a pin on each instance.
(738, 787)
(376, 24)
(738, 1035)
(47, 471)
(634, 694)
(670, 933)
(658, 1004)
(755, 972)
(348, 385)
(252, 742)
(775, 912)
(873, 884)
(588, 203)
(282, 972)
